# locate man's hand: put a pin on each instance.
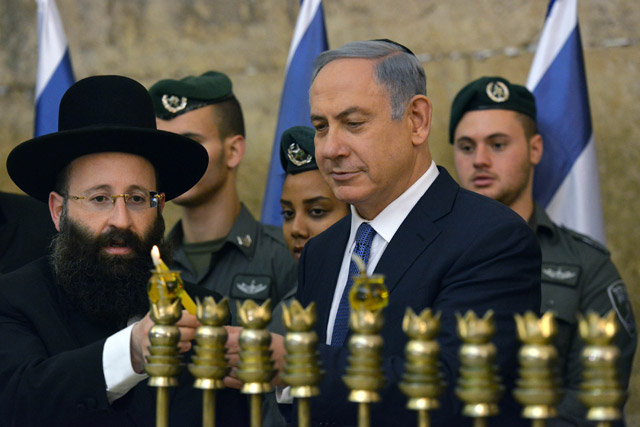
(233, 356)
(140, 338)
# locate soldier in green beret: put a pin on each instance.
(308, 205)
(496, 146)
(218, 243)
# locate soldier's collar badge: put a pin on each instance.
(298, 156)
(498, 91)
(244, 240)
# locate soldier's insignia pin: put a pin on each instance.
(173, 103)
(244, 241)
(298, 156)
(497, 91)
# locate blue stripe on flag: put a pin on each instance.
(294, 109)
(563, 117)
(49, 101)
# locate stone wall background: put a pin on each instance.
(457, 40)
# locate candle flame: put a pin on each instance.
(155, 255)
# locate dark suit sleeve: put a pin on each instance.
(498, 268)
(40, 389)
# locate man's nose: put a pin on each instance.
(482, 156)
(332, 145)
(120, 216)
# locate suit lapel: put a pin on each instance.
(418, 230)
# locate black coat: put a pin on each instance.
(26, 230)
(51, 365)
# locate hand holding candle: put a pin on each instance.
(161, 268)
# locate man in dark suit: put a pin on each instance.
(438, 246)
(74, 326)
(25, 231)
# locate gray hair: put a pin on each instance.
(397, 70)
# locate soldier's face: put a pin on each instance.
(308, 208)
(493, 157)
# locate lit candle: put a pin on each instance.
(161, 267)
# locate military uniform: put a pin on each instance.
(578, 276)
(254, 263)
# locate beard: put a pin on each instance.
(109, 290)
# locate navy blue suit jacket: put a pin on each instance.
(455, 251)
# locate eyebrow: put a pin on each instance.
(108, 188)
(305, 201)
(314, 199)
(465, 138)
(193, 135)
(341, 115)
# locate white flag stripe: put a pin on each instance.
(52, 43)
(306, 15)
(581, 188)
(559, 25)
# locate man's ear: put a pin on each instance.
(420, 110)
(56, 203)
(536, 148)
(234, 148)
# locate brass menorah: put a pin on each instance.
(478, 386)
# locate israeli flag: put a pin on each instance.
(55, 74)
(566, 180)
(309, 39)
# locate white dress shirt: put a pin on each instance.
(385, 224)
(119, 375)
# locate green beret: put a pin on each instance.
(491, 93)
(297, 152)
(174, 97)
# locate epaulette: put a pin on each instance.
(587, 240)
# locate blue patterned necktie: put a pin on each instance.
(364, 237)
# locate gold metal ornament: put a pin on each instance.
(422, 381)
(164, 361)
(302, 370)
(478, 384)
(255, 367)
(539, 386)
(209, 365)
(600, 388)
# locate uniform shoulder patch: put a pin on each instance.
(620, 302)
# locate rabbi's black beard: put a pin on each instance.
(107, 289)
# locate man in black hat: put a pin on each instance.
(74, 326)
(496, 146)
(219, 245)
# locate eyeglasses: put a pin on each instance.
(102, 202)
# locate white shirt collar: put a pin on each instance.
(387, 222)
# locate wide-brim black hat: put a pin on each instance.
(107, 114)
